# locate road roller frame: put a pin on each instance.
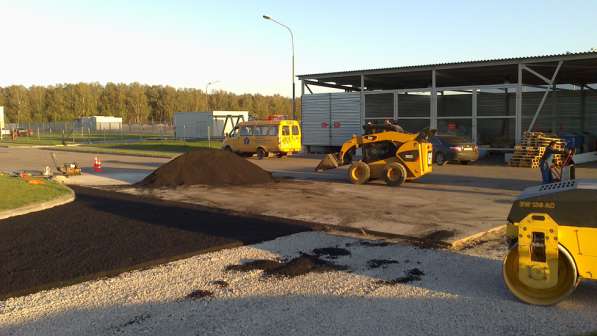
(552, 237)
(393, 156)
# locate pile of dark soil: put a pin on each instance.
(207, 166)
(294, 267)
(411, 275)
(331, 252)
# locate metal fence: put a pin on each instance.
(59, 126)
(75, 132)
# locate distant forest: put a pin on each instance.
(135, 103)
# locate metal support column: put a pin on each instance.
(583, 109)
(433, 112)
(362, 100)
(554, 109)
(518, 128)
(302, 94)
(395, 105)
(474, 117)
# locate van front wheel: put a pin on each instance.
(261, 153)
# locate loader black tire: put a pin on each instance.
(359, 172)
(394, 174)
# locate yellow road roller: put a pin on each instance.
(552, 238)
(394, 156)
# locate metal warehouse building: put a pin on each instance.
(209, 124)
(492, 102)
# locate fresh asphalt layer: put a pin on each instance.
(105, 233)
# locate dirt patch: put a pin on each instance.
(301, 265)
(429, 244)
(439, 235)
(369, 243)
(104, 233)
(331, 252)
(260, 264)
(411, 275)
(219, 283)
(199, 294)
(207, 166)
(136, 320)
(383, 263)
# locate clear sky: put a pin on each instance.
(188, 43)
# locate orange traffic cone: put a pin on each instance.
(97, 165)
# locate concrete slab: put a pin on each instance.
(414, 210)
(106, 179)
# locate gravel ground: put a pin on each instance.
(457, 294)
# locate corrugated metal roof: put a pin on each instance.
(486, 62)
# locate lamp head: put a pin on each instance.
(267, 17)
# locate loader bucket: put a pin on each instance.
(330, 161)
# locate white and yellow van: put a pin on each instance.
(262, 137)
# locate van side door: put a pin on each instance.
(296, 138)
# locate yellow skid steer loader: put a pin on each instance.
(390, 155)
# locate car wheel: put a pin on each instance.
(440, 158)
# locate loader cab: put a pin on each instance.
(379, 150)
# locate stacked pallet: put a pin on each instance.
(532, 147)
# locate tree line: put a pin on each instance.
(135, 103)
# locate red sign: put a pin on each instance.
(325, 125)
(452, 126)
(336, 124)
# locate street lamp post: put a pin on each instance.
(207, 94)
(292, 44)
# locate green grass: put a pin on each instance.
(18, 192)
(166, 148)
(74, 138)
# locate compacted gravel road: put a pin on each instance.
(309, 283)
